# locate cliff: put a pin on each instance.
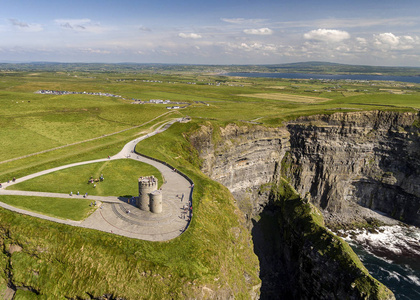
(345, 161)
(348, 165)
(243, 159)
(371, 159)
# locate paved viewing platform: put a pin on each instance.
(119, 215)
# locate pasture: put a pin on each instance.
(75, 209)
(120, 179)
(64, 261)
(286, 97)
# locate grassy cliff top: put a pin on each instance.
(214, 257)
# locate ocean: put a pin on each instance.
(392, 255)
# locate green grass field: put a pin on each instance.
(63, 208)
(120, 179)
(37, 122)
(216, 252)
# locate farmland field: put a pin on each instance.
(42, 131)
(286, 97)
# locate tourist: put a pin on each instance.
(71, 193)
(77, 193)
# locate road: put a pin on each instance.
(115, 214)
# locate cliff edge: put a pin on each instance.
(353, 167)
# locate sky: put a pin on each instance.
(368, 32)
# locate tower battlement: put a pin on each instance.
(148, 181)
(148, 185)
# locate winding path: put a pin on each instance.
(112, 216)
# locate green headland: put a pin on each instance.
(215, 256)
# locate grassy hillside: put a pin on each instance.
(215, 255)
(119, 176)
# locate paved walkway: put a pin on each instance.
(81, 142)
(116, 214)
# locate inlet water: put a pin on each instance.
(412, 79)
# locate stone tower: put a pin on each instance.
(147, 185)
(156, 202)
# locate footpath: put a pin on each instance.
(116, 214)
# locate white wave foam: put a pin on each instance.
(414, 279)
(391, 239)
(391, 274)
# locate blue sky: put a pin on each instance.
(368, 32)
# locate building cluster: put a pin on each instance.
(156, 81)
(54, 92)
(159, 101)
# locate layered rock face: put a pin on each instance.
(346, 164)
(244, 160)
(371, 159)
(343, 160)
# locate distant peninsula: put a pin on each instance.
(313, 67)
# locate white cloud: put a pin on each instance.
(81, 25)
(327, 35)
(76, 24)
(389, 41)
(260, 31)
(18, 23)
(95, 51)
(363, 22)
(189, 36)
(144, 28)
(242, 20)
(361, 40)
(26, 26)
(248, 47)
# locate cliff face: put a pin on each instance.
(346, 164)
(244, 160)
(371, 159)
(344, 161)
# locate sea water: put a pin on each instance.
(392, 255)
